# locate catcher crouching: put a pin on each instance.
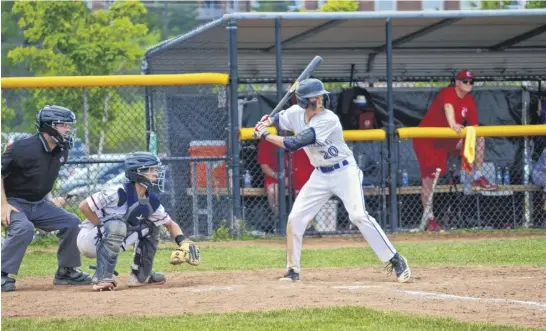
(127, 215)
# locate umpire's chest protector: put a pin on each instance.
(138, 210)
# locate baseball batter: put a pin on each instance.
(318, 131)
(126, 215)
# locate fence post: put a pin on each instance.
(280, 151)
(234, 113)
(145, 70)
(392, 157)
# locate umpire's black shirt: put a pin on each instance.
(30, 168)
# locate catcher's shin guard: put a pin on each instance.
(108, 249)
(143, 259)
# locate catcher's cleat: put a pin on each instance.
(401, 268)
(71, 276)
(291, 275)
(8, 283)
(157, 278)
(105, 285)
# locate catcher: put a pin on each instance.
(131, 214)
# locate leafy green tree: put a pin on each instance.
(167, 19)
(64, 38)
(535, 4)
(7, 115)
(272, 6)
(11, 38)
(339, 6)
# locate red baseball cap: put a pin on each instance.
(465, 74)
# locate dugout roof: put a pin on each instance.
(494, 44)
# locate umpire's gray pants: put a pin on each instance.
(45, 216)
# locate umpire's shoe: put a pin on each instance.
(157, 278)
(71, 276)
(8, 283)
(401, 268)
(291, 275)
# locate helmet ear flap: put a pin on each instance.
(303, 102)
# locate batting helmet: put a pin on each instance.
(309, 88)
(49, 116)
(137, 163)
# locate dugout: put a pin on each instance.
(377, 48)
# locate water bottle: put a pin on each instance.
(499, 176)
(506, 176)
(405, 179)
(247, 178)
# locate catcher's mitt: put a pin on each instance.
(188, 252)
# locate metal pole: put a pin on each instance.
(145, 70)
(234, 113)
(527, 200)
(280, 151)
(165, 19)
(392, 157)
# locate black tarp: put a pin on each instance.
(496, 106)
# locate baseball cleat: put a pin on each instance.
(105, 285)
(291, 275)
(71, 276)
(8, 283)
(399, 264)
(157, 278)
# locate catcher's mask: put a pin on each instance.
(145, 169)
(309, 88)
(58, 123)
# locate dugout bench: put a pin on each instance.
(211, 192)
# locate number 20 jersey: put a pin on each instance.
(330, 147)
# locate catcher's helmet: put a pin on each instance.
(137, 163)
(309, 88)
(49, 116)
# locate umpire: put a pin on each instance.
(29, 170)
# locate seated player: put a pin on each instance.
(131, 214)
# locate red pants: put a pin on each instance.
(433, 153)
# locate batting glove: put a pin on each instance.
(266, 120)
(260, 131)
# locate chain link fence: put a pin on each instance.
(185, 125)
(188, 126)
(458, 204)
(501, 195)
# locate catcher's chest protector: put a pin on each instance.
(138, 210)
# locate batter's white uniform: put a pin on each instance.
(336, 172)
(105, 203)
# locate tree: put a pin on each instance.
(64, 38)
(339, 6)
(273, 6)
(167, 19)
(535, 4)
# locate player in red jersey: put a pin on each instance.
(453, 107)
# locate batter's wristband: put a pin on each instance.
(265, 134)
(180, 238)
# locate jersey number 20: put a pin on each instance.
(331, 152)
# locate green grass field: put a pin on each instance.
(344, 318)
(523, 251)
(520, 251)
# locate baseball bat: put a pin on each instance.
(428, 207)
(306, 73)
